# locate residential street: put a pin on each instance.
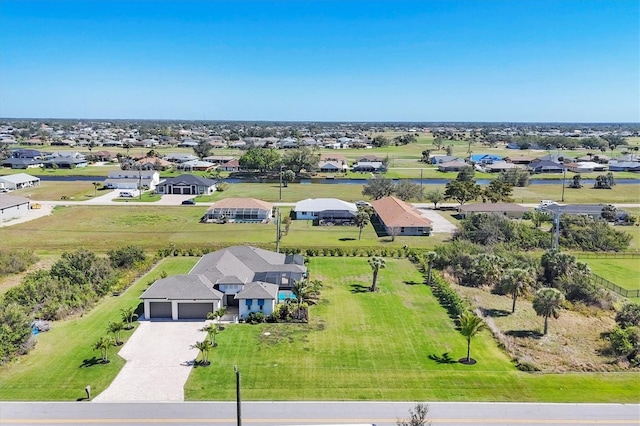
(309, 413)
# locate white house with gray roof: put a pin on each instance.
(330, 209)
(242, 278)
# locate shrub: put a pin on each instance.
(256, 318)
(629, 315)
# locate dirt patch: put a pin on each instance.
(573, 343)
(15, 279)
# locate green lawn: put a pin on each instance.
(377, 346)
(622, 272)
(152, 227)
(60, 367)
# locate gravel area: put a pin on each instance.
(159, 359)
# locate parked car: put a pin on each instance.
(189, 202)
(362, 204)
(126, 194)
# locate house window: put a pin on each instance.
(260, 302)
(249, 302)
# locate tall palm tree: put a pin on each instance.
(376, 264)
(217, 315)
(128, 315)
(547, 304)
(204, 347)
(430, 257)
(103, 344)
(115, 328)
(517, 283)
(470, 325)
(362, 219)
(211, 330)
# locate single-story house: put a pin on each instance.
(325, 209)
(591, 210)
(19, 181)
(102, 155)
(439, 158)
(180, 158)
(400, 218)
(585, 167)
(452, 166)
(500, 166)
(368, 166)
(66, 162)
(242, 278)
(239, 210)
(485, 158)
(332, 167)
(511, 210)
(153, 163)
(230, 166)
(219, 159)
(12, 207)
(197, 165)
(545, 166)
(181, 297)
(519, 159)
(187, 185)
(26, 153)
(132, 179)
(369, 159)
(22, 163)
(112, 143)
(624, 166)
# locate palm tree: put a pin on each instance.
(470, 325)
(430, 257)
(302, 291)
(362, 219)
(211, 330)
(128, 315)
(95, 188)
(217, 315)
(547, 304)
(204, 347)
(376, 264)
(103, 344)
(115, 328)
(517, 283)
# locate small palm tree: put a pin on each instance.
(115, 328)
(376, 264)
(212, 331)
(217, 315)
(204, 347)
(470, 325)
(430, 257)
(128, 315)
(302, 291)
(517, 283)
(547, 304)
(362, 219)
(103, 344)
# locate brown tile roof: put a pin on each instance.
(395, 212)
(242, 203)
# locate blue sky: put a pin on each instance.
(439, 60)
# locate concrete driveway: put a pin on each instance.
(440, 224)
(159, 359)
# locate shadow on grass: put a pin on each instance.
(495, 313)
(90, 362)
(346, 239)
(525, 334)
(412, 283)
(442, 359)
(359, 288)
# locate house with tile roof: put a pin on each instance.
(397, 218)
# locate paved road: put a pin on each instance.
(310, 413)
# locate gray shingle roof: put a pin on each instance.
(258, 290)
(182, 287)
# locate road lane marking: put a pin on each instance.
(321, 421)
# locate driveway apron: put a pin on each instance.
(159, 359)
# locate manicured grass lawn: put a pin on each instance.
(62, 363)
(152, 227)
(360, 345)
(623, 272)
(54, 191)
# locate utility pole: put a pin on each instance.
(556, 238)
(238, 413)
(278, 229)
(280, 196)
(564, 175)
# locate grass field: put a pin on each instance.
(358, 346)
(362, 346)
(623, 272)
(63, 362)
(153, 227)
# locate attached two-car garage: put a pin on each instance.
(186, 310)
